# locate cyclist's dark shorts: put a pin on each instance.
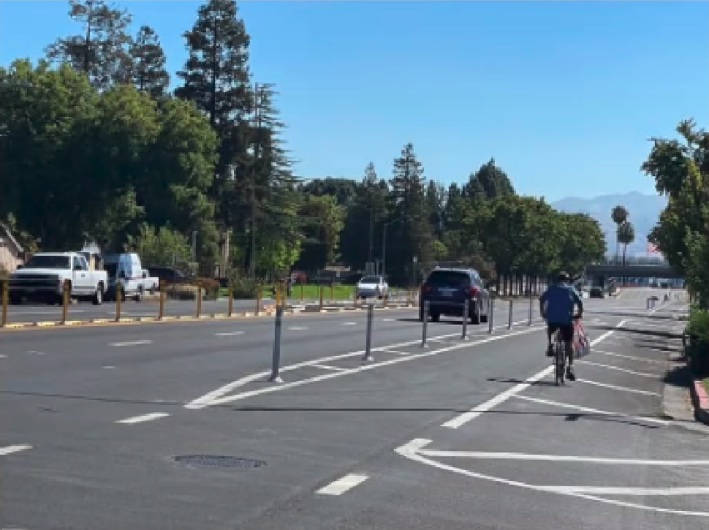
(567, 331)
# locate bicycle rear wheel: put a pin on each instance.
(559, 361)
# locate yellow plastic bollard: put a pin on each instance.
(230, 301)
(199, 301)
(161, 307)
(5, 297)
(276, 287)
(119, 296)
(66, 291)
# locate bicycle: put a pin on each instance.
(559, 359)
(560, 356)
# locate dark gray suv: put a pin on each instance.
(446, 291)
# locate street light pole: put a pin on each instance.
(384, 242)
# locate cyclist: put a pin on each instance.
(556, 305)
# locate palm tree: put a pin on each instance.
(620, 215)
(626, 236)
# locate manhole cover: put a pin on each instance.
(220, 461)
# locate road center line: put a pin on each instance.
(343, 484)
(229, 334)
(145, 417)
(13, 449)
(130, 343)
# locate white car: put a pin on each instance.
(372, 287)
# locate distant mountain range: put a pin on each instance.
(644, 213)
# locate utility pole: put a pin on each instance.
(254, 170)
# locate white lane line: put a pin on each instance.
(560, 458)
(3, 356)
(130, 343)
(388, 320)
(343, 484)
(145, 417)
(109, 367)
(206, 399)
(348, 324)
(465, 417)
(298, 328)
(397, 352)
(328, 367)
(8, 450)
(643, 492)
(325, 377)
(618, 369)
(590, 410)
(629, 357)
(229, 334)
(621, 388)
(412, 451)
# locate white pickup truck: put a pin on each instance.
(151, 284)
(42, 278)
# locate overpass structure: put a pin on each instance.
(634, 268)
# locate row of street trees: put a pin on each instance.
(93, 146)
(680, 168)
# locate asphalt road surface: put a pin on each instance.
(176, 426)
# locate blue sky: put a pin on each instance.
(563, 94)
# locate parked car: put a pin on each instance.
(596, 292)
(372, 287)
(43, 276)
(447, 289)
(169, 275)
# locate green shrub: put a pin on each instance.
(243, 288)
(698, 346)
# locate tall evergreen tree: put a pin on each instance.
(410, 222)
(101, 51)
(216, 78)
(488, 182)
(264, 191)
(147, 65)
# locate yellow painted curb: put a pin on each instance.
(45, 324)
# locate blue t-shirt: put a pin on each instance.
(560, 301)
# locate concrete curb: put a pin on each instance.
(700, 401)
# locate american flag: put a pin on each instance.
(652, 248)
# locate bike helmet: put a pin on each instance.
(563, 277)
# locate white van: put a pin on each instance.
(128, 271)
